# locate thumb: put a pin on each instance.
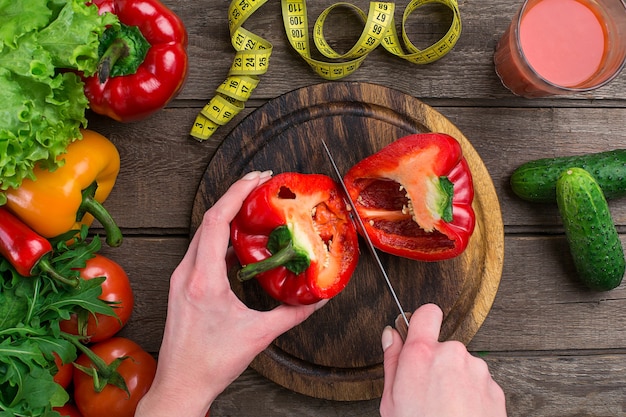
(392, 346)
(285, 317)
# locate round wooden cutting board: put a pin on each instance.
(336, 353)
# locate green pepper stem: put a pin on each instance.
(92, 206)
(122, 51)
(44, 266)
(118, 49)
(279, 258)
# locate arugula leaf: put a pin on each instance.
(12, 309)
(35, 394)
(61, 304)
(42, 44)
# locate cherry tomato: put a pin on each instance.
(68, 410)
(138, 371)
(64, 373)
(116, 288)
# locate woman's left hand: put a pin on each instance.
(210, 336)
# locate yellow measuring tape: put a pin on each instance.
(253, 52)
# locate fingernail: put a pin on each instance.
(266, 174)
(321, 304)
(387, 338)
(251, 175)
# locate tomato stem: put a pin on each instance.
(101, 373)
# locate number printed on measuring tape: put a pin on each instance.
(253, 52)
(251, 60)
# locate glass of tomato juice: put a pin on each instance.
(555, 47)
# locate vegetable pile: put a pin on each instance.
(73, 194)
(61, 302)
(580, 186)
(42, 43)
(30, 312)
(294, 235)
(58, 58)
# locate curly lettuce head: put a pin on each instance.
(42, 102)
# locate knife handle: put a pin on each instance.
(401, 326)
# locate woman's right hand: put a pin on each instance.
(428, 378)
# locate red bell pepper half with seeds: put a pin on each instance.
(415, 197)
(295, 236)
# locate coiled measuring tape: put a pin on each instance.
(253, 52)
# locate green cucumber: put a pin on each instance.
(593, 240)
(536, 180)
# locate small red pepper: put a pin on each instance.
(143, 63)
(415, 197)
(27, 251)
(295, 236)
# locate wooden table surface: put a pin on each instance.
(556, 348)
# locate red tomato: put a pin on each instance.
(68, 410)
(116, 288)
(138, 371)
(63, 377)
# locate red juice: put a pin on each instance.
(557, 47)
(563, 41)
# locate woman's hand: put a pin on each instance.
(210, 336)
(428, 378)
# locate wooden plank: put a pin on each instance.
(149, 263)
(506, 138)
(548, 385)
(162, 165)
(542, 306)
(558, 385)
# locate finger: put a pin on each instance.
(192, 250)
(425, 324)
(215, 233)
(392, 346)
(189, 258)
(285, 317)
(402, 325)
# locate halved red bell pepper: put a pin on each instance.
(144, 62)
(415, 197)
(295, 236)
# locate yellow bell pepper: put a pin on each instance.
(58, 201)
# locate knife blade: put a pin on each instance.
(402, 321)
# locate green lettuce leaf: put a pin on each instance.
(18, 17)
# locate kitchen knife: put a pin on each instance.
(402, 321)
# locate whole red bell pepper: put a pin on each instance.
(295, 236)
(143, 62)
(415, 197)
